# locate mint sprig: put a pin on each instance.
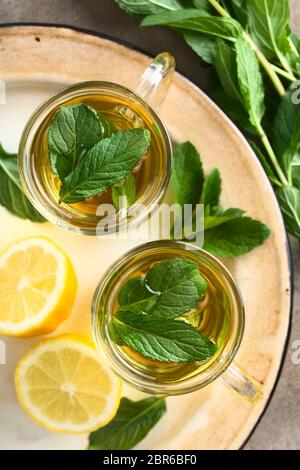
(256, 56)
(89, 155)
(106, 163)
(227, 233)
(148, 318)
(170, 289)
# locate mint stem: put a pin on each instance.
(261, 57)
(271, 154)
(283, 73)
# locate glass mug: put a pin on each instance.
(129, 109)
(223, 319)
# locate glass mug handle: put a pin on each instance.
(243, 385)
(156, 80)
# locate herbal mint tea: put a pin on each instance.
(171, 318)
(94, 149)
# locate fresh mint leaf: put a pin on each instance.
(12, 196)
(289, 200)
(135, 296)
(107, 127)
(268, 20)
(239, 10)
(187, 175)
(226, 67)
(105, 164)
(250, 81)
(211, 221)
(286, 130)
(160, 339)
(147, 7)
(170, 289)
(212, 189)
(124, 193)
(203, 6)
(178, 286)
(236, 237)
(73, 130)
(296, 170)
(203, 46)
(225, 28)
(132, 423)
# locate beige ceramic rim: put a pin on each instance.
(47, 54)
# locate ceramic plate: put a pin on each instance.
(35, 63)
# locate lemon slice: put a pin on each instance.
(64, 386)
(37, 287)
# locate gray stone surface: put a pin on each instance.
(280, 426)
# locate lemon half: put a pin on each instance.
(64, 386)
(37, 287)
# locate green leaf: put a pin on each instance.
(296, 170)
(147, 7)
(226, 28)
(12, 196)
(107, 127)
(289, 200)
(124, 193)
(170, 289)
(178, 286)
(212, 189)
(236, 237)
(286, 130)
(105, 164)
(239, 10)
(135, 296)
(73, 130)
(203, 46)
(268, 20)
(203, 5)
(132, 423)
(226, 67)
(234, 109)
(160, 339)
(250, 81)
(211, 221)
(187, 176)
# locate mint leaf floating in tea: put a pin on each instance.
(159, 338)
(178, 286)
(12, 196)
(170, 289)
(135, 296)
(107, 127)
(105, 164)
(132, 423)
(124, 192)
(74, 130)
